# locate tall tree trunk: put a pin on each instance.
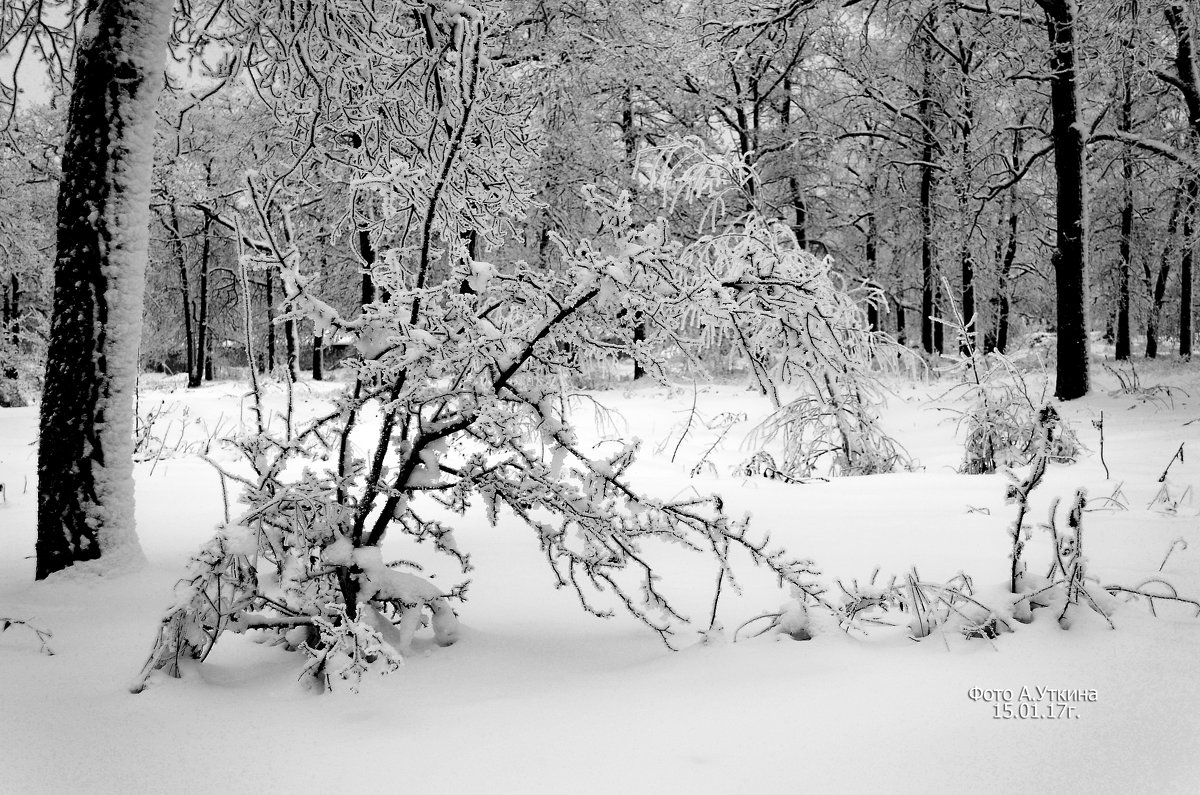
(1070, 258)
(1124, 342)
(742, 123)
(366, 251)
(185, 291)
(1008, 257)
(799, 208)
(269, 365)
(629, 137)
(1003, 285)
(929, 286)
(1191, 194)
(203, 354)
(1189, 86)
(85, 455)
(1157, 284)
(931, 329)
(871, 255)
(966, 259)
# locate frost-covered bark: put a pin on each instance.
(85, 468)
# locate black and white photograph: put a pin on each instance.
(599, 396)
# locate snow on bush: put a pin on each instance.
(788, 314)
(1004, 419)
(461, 361)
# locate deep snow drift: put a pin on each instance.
(539, 697)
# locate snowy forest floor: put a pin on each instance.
(539, 697)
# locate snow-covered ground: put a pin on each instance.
(539, 697)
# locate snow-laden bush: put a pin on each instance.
(460, 363)
(831, 432)
(10, 394)
(466, 387)
(919, 606)
(19, 371)
(1008, 421)
(790, 316)
(1004, 423)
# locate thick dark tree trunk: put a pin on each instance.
(1124, 342)
(85, 464)
(1188, 84)
(318, 358)
(1070, 258)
